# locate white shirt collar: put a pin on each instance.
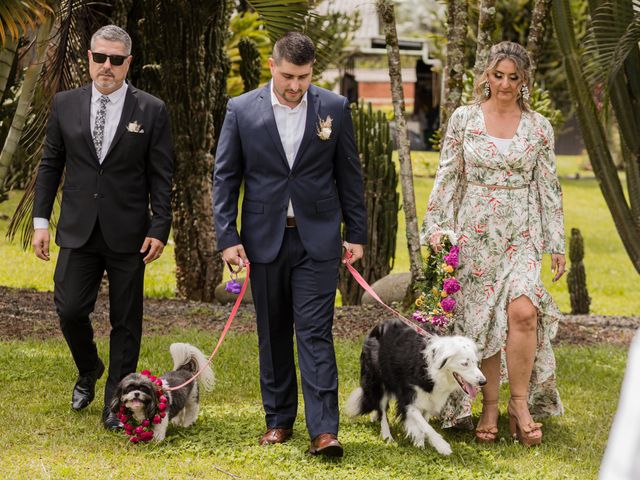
(114, 97)
(275, 102)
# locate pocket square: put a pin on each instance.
(135, 127)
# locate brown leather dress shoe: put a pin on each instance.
(276, 435)
(326, 444)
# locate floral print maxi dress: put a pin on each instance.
(502, 234)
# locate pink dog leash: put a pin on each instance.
(227, 325)
(363, 283)
(356, 275)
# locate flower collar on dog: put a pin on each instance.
(142, 431)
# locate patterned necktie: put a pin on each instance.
(98, 128)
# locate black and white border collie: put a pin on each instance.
(419, 373)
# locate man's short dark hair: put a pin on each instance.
(296, 48)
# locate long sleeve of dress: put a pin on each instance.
(445, 195)
(550, 195)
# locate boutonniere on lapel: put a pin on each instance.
(134, 127)
(324, 128)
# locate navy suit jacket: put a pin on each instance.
(325, 183)
(129, 193)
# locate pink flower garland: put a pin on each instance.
(435, 304)
(143, 431)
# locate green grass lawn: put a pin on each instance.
(42, 438)
(611, 279)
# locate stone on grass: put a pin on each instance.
(390, 288)
(225, 297)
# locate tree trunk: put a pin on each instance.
(594, 134)
(486, 26)
(539, 19)
(386, 12)
(454, 67)
(193, 69)
(24, 103)
(7, 55)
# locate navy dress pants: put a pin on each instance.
(296, 292)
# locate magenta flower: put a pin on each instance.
(448, 304)
(450, 285)
(418, 317)
(439, 320)
(451, 259)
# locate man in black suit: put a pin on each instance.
(292, 143)
(113, 144)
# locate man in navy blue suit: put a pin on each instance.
(292, 144)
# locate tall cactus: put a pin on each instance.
(373, 139)
(577, 279)
(251, 65)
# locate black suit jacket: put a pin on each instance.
(325, 183)
(129, 193)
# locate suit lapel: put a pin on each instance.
(85, 119)
(269, 121)
(313, 107)
(130, 102)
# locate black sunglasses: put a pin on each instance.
(116, 60)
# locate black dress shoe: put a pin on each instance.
(110, 421)
(85, 389)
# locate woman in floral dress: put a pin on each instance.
(498, 191)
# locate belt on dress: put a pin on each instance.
(498, 187)
(291, 222)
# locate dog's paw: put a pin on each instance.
(418, 442)
(387, 437)
(441, 446)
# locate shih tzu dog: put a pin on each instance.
(145, 406)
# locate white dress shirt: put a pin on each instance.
(112, 118)
(291, 123)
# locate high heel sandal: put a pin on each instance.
(487, 434)
(524, 433)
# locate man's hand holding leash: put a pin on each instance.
(354, 252)
(235, 255)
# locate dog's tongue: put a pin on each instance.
(471, 390)
(136, 403)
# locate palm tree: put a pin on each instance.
(387, 14)
(454, 68)
(612, 56)
(539, 19)
(7, 58)
(486, 26)
(19, 17)
(28, 89)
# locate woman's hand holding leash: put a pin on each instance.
(434, 240)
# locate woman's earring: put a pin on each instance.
(487, 90)
(524, 91)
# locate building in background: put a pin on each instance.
(365, 73)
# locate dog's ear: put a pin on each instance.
(151, 407)
(115, 400)
(439, 356)
(444, 362)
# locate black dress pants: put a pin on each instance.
(77, 279)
